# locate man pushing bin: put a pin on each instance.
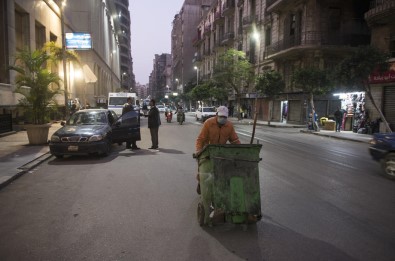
(216, 130)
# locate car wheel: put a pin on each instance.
(388, 165)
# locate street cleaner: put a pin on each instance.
(216, 130)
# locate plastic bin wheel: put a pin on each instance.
(200, 214)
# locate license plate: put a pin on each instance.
(73, 148)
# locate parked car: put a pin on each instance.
(93, 131)
(161, 108)
(382, 149)
(203, 113)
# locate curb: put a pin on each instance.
(332, 136)
(26, 168)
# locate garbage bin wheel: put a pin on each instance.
(200, 214)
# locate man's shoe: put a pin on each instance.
(198, 188)
(135, 148)
(151, 148)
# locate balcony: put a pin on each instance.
(228, 38)
(207, 29)
(228, 7)
(381, 12)
(249, 20)
(277, 5)
(240, 3)
(218, 17)
(313, 39)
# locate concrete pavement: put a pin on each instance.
(18, 157)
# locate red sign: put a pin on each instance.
(385, 77)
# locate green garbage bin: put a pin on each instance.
(229, 184)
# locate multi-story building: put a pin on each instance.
(183, 35)
(29, 24)
(160, 78)
(291, 35)
(127, 76)
(381, 19)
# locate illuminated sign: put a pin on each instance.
(78, 41)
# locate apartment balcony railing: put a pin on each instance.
(207, 29)
(248, 20)
(240, 3)
(228, 37)
(317, 38)
(218, 17)
(228, 7)
(273, 5)
(380, 11)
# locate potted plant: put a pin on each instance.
(38, 86)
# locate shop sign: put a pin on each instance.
(382, 77)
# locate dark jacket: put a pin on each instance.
(153, 118)
(338, 115)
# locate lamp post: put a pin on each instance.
(256, 37)
(197, 74)
(66, 94)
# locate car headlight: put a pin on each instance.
(55, 138)
(96, 138)
(373, 141)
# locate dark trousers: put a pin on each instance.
(338, 124)
(154, 137)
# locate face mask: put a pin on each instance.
(221, 120)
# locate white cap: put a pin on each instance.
(222, 111)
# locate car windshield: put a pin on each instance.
(88, 118)
(209, 109)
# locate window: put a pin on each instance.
(40, 35)
(21, 30)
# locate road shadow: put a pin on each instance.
(268, 241)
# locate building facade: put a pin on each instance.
(286, 35)
(182, 37)
(30, 24)
(160, 78)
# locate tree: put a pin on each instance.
(353, 72)
(270, 84)
(201, 92)
(233, 72)
(36, 83)
(313, 81)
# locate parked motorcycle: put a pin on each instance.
(168, 116)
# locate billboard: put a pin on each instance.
(78, 41)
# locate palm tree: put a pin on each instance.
(36, 83)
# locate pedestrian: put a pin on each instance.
(216, 130)
(127, 107)
(73, 108)
(153, 124)
(338, 118)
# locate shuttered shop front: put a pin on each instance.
(389, 105)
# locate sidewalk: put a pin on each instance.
(18, 157)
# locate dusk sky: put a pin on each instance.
(151, 24)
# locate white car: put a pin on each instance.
(203, 113)
(161, 108)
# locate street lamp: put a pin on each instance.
(197, 74)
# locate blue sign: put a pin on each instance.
(78, 41)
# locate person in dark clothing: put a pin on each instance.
(127, 107)
(338, 118)
(153, 124)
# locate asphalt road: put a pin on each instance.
(322, 199)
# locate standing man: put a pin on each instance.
(216, 130)
(153, 124)
(338, 118)
(127, 107)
